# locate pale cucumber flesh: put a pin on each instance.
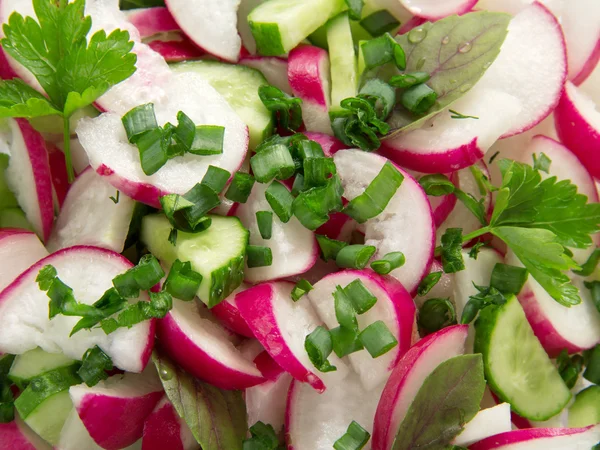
(34, 363)
(344, 70)
(585, 410)
(47, 420)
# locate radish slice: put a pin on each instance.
(407, 378)
(89, 271)
(405, 225)
(578, 125)
(16, 435)
(28, 175)
(329, 144)
(339, 227)
(212, 25)
(435, 10)
(19, 250)
(274, 69)
(394, 307)
(308, 73)
(316, 421)
(281, 325)
(176, 50)
(542, 439)
(152, 21)
(130, 398)
(112, 156)
(90, 217)
(445, 144)
(487, 422)
(293, 246)
(229, 315)
(58, 171)
(164, 429)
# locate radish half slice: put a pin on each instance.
(164, 429)
(229, 315)
(19, 250)
(405, 225)
(435, 9)
(16, 435)
(152, 21)
(89, 271)
(542, 439)
(487, 422)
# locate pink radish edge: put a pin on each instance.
(589, 66)
(305, 73)
(329, 144)
(518, 436)
(462, 7)
(151, 21)
(229, 315)
(177, 51)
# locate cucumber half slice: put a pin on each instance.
(585, 410)
(517, 368)
(216, 253)
(34, 363)
(344, 70)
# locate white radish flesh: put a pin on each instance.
(435, 10)
(19, 250)
(542, 439)
(487, 422)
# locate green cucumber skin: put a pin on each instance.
(226, 280)
(585, 410)
(268, 39)
(34, 363)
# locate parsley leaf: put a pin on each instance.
(452, 259)
(18, 99)
(542, 162)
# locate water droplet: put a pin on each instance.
(445, 40)
(487, 65)
(416, 35)
(421, 63)
(465, 87)
(465, 48)
(166, 373)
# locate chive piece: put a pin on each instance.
(204, 198)
(216, 178)
(456, 115)
(389, 262)
(355, 8)
(264, 219)
(345, 341)
(147, 273)
(437, 185)
(541, 162)
(110, 303)
(240, 188)
(138, 121)
(208, 140)
(355, 256)
(435, 314)
(329, 247)
(298, 185)
(286, 109)
(383, 95)
(379, 22)
(317, 171)
(474, 252)
(306, 149)
(94, 365)
(407, 80)
(592, 370)
(355, 438)
(377, 52)
(280, 200)
(116, 198)
(377, 339)
(344, 311)
(313, 206)
(319, 346)
(590, 265)
(273, 162)
(594, 287)
(185, 131)
(173, 236)
(418, 99)
(569, 367)
(361, 298)
(302, 287)
(259, 256)
(508, 279)
(152, 150)
(428, 283)
(263, 437)
(452, 259)
(182, 282)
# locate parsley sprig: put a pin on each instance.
(72, 71)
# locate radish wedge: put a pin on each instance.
(578, 125)
(16, 435)
(19, 250)
(191, 337)
(542, 439)
(89, 271)
(152, 21)
(488, 422)
(112, 156)
(177, 50)
(91, 217)
(294, 247)
(130, 398)
(164, 429)
(405, 225)
(394, 307)
(281, 326)
(274, 69)
(407, 378)
(229, 315)
(435, 10)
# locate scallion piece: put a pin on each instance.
(389, 262)
(377, 52)
(185, 131)
(329, 247)
(182, 282)
(418, 99)
(305, 149)
(240, 188)
(313, 206)
(216, 178)
(590, 265)
(264, 220)
(355, 8)
(379, 22)
(258, 256)
(362, 299)
(344, 310)
(407, 80)
(280, 200)
(153, 151)
(435, 314)
(273, 162)
(594, 287)
(138, 121)
(208, 140)
(377, 339)
(147, 273)
(508, 279)
(94, 365)
(286, 109)
(428, 283)
(383, 95)
(345, 341)
(319, 346)
(592, 370)
(302, 288)
(355, 438)
(204, 198)
(298, 185)
(317, 171)
(437, 185)
(355, 256)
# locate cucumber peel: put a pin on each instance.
(34, 363)
(585, 410)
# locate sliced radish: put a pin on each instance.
(487, 422)
(542, 439)
(229, 315)
(212, 25)
(19, 250)
(445, 144)
(578, 125)
(281, 325)
(435, 10)
(58, 171)
(89, 271)
(339, 227)
(329, 144)
(193, 338)
(29, 176)
(164, 429)
(394, 307)
(293, 246)
(113, 412)
(308, 74)
(316, 421)
(274, 69)
(111, 155)
(413, 22)
(407, 378)
(175, 51)
(90, 217)
(405, 225)
(6, 71)
(152, 21)
(16, 435)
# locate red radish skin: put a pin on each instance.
(16, 435)
(58, 169)
(407, 378)
(435, 10)
(19, 250)
(589, 66)
(152, 21)
(339, 227)
(6, 71)
(414, 22)
(329, 144)
(542, 439)
(142, 192)
(177, 51)
(444, 205)
(229, 315)
(165, 430)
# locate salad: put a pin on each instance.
(299, 224)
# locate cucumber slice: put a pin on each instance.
(280, 25)
(344, 70)
(216, 253)
(47, 420)
(585, 410)
(239, 86)
(14, 218)
(517, 368)
(34, 363)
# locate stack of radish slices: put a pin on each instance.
(361, 285)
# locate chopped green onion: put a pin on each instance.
(437, 185)
(485, 297)
(305, 149)
(259, 256)
(319, 346)
(158, 307)
(185, 131)
(379, 22)
(435, 314)
(452, 259)
(204, 198)
(182, 282)
(355, 8)
(410, 79)
(456, 115)
(240, 188)
(361, 298)
(264, 220)
(317, 171)
(138, 121)
(377, 195)
(208, 140)
(302, 287)
(383, 95)
(286, 109)
(45, 277)
(216, 178)
(592, 370)
(541, 162)
(62, 301)
(594, 287)
(389, 262)
(377, 339)
(94, 365)
(173, 236)
(273, 162)
(355, 438)
(147, 273)
(345, 341)
(590, 265)
(263, 437)
(110, 303)
(355, 256)
(280, 200)
(428, 283)
(298, 185)
(7, 409)
(382, 50)
(344, 310)
(508, 279)
(313, 206)
(569, 367)
(418, 99)
(153, 151)
(329, 247)
(115, 199)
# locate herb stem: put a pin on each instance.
(67, 149)
(467, 237)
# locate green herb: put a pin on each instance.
(94, 365)
(457, 115)
(377, 339)
(569, 367)
(361, 298)
(493, 157)
(418, 99)
(477, 207)
(280, 200)
(355, 8)
(301, 288)
(273, 162)
(240, 188)
(435, 314)
(474, 251)
(379, 22)
(258, 256)
(407, 80)
(389, 262)
(429, 283)
(590, 265)
(437, 185)
(508, 279)
(355, 438)
(313, 206)
(483, 182)
(355, 256)
(541, 162)
(329, 247)
(594, 287)
(110, 303)
(485, 297)
(182, 282)
(73, 71)
(344, 310)
(592, 370)
(317, 171)
(142, 277)
(452, 259)
(264, 220)
(345, 341)
(115, 199)
(447, 400)
(135, 4)
(263, 437)
(382, 50)
(286, 109)
(319, 346)
(7, 409)
(215, 178)
(173, 236)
